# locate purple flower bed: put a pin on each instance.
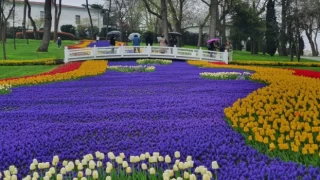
(170, 109)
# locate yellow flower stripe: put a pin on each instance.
(272, 63)
(283, 115)
(88, 68)
(47, 61)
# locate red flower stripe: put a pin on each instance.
(218, 63)
(61, 69)
(306, 73)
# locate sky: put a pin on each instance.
(76, 2)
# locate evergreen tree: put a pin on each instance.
(271, 29)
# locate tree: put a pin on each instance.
(57, 13)
(90, 18)
(271, 29)
(3, 24)
(47, 27)
(35, 31)
(24, 20)
(283, 39)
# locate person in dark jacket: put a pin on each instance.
(222, 48)
(112, 42)
(59, 42)
(149, 39)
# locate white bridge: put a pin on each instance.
(118, 52)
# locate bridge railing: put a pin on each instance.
(144, 52)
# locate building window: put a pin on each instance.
(42, 15)
(77, 19)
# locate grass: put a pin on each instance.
(295, 67)
(19, 71)
(26, 51)
(247, 56)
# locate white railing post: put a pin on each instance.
(66, 54)
(94, 52)
(149, 50)
(200, 53)
(122, 50)
(175, 51)
(225, 56)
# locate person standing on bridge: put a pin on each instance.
(136, 42)
(59, 42)
(163, 43)
(113, 42)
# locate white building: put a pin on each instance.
(74, 15)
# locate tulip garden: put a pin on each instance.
(264, 126)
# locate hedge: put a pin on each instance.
(62, 35)
(47, 61)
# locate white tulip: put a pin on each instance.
(175, 168)
(111, 155)
(137, 159)
(48, 174)
(215, 165)
(75, 179)
(88, 172)
(35, 175)
(52, 170)
(87, 157)
(65, 163)
(109, 165)
(26, 178)
(147, 154)
(205, 177)
(46, 178)
(160, 158)
(0, 175)
(80, 174)
(92, 164)
(119, 160)
(77, 162)
(102, 157)
(98, 154)
(142, 157)
(189, 158)
(204, 171)
(11, 168)
(122, 155)
(68, 168)
(83, 178)
(55, 159)
(80, 166)
(128, 170)
(177, 154)
(32, 166)
(35, 162)
(197, 170)
(186, 175)
(90, 156)
(153, 159)
(193, 177)
(190, 164)
(95, 174)
(179, 178)
(108, 170)
(108, 178)
(33, 178)
(14, 177)
(84, 162)
(181, 165)
(59, 177)
(6, 173)
(99, 163)
(63, 171)
(144, 166)
(167, 159)
(156, 154)
(166, 178)
(152, 171)
(177, 162)
(209, 174)
(125, 164)
(132, 159)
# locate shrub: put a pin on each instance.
(30, 35)
(48, 61)
(68, 28)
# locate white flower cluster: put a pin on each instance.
(154, 61)
(92, 167)
(139, 68)
(5, 88)
(225, 75)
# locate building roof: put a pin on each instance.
(42, 3)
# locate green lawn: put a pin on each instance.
(247, 56)
(19, 71)
(26, 51)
